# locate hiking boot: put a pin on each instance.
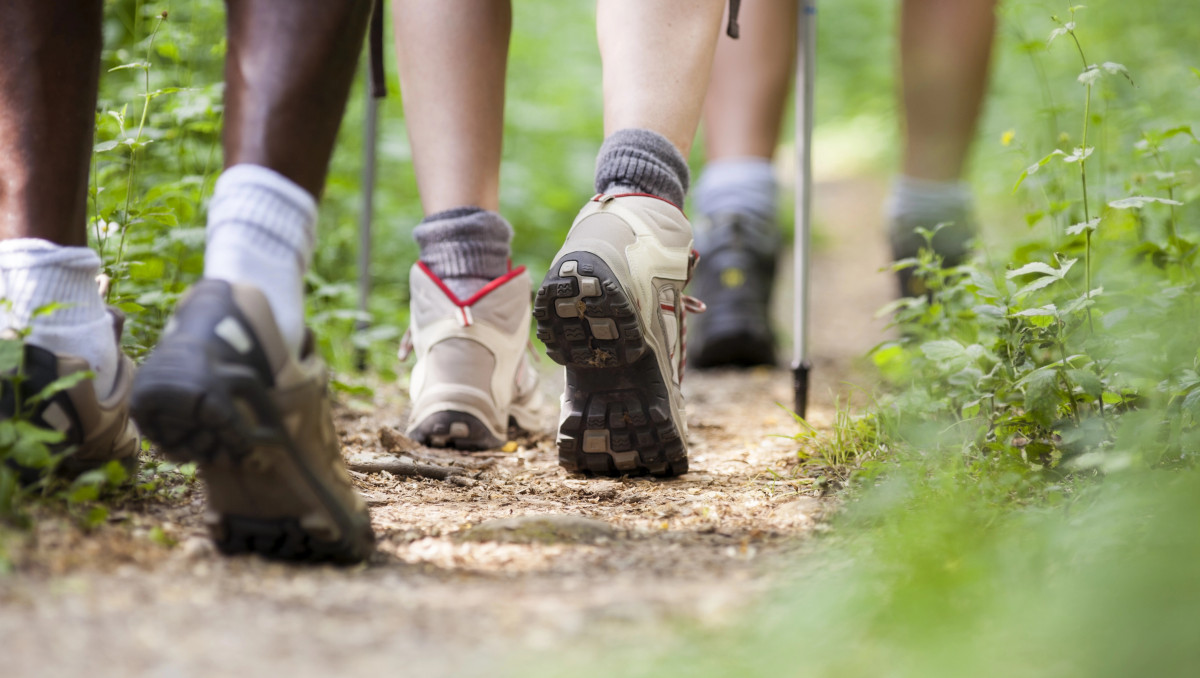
(952, 242)
(734, 277)
(611, 309)
(95, 431)
(472, 376)
(223, 391)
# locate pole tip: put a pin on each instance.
(800, 385)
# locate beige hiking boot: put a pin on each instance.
(472, 377)
(611, 310)
(222, 390)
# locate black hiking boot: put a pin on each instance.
(734, 278)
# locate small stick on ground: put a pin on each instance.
(406, 467)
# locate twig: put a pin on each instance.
(406, 467)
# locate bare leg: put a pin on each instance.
(945, 49)
(288, 74)
(750, 80)
(737, 193)
(452, 57)
(49, 72)
(657, 57)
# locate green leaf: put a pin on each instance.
(1090, 75)
(1113, 68)
(1138, 201)
(63, 383)
(1060, 31)
(943, 350)
(47, 309)
(144, 65)
(1079, 154)
(1049, 310)
(83, 493)
(95, 516)
(105, 146)
(12, 352)
(1087, 381)
(1041, 396)
(1032, 169)
(1034, 267)
(1089, 225)
(1083, 301)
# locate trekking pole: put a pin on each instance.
(806, 66)
(376, 89)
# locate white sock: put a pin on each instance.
(262, 231)
(36, 273)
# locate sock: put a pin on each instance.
(261, 232)
(740, 186)
(467, 247)
(926, 203)
(36, 273)
(641, 161)
(927, 200)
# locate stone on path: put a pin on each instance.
(541, 529)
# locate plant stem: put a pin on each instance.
(133, 153)
(1087, 216)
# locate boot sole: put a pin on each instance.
(454, 430)
(617, 406)
(225, 421)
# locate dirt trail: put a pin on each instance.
(440, 599)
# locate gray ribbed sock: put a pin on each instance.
(641, 161)
(925, 203)
(467, 247)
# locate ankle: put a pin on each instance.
(466, 247)
(36, 274)
(642, 161)
(739, 186)
(262, 232)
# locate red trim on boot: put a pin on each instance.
(599, 197)
(483, 291)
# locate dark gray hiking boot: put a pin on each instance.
(95, 430)
(952, 242)
(223, 391)
(734, 278)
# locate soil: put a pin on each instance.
(512, 556)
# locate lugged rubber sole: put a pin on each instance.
(454, 430)
(223, 419)
(618, 407)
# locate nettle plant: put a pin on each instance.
(156, 156)
(1084, 347)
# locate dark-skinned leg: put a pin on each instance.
(288, 71)
(287, 76)
(49, 70)
(232, 386)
